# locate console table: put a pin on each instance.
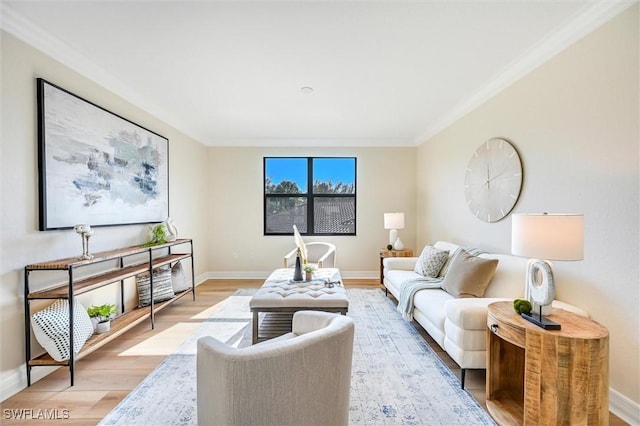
(125, 263)
(537, 376)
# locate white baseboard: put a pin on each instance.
(624, 408)
(13, 381)
(254, 275)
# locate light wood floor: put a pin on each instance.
(106, 376)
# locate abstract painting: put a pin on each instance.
(96, 167)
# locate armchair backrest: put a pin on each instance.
(322, 254)
(302, 379)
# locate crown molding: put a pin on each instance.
(24, 29)
(14, 23)
(302, 141)
(556, 42)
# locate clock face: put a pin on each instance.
(493, 180)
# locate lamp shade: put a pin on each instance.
(548, 236)
(394, 221)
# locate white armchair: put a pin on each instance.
(323, 255)
(300, 378)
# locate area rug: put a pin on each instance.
(397, 379)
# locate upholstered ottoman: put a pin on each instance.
(279, 293)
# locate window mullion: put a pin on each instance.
(310, 214)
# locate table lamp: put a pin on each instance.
(550, 237)
(393, 222)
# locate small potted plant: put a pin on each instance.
(158, 235)
(102, 316)
(308, 271)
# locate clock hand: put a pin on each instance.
(488, 178)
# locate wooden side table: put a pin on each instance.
(392, 253)
(544, 377)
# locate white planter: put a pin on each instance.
(103, 327)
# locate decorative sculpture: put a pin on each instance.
(172, 231)
(85, 232)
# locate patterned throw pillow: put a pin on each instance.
(162, 288)
(430, 262)
(51, 328)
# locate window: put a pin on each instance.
(317, 194)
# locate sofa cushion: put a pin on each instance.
(468, 275)
(431, 261)
(394, 278)
(430, 302)
(452, 249)
(508, 280)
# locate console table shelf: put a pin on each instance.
(156, 256)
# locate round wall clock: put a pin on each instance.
(493, 180)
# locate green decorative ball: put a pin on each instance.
(389, 247)
(522, 306)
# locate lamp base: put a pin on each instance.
(541, 321)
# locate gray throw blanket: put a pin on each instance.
(409, 288)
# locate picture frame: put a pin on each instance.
(96, 167)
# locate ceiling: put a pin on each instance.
(382, 73)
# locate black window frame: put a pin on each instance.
(310, 196)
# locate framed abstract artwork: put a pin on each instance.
(96, 167)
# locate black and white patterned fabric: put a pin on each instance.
(162, 288)
(51, 328)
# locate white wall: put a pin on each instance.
(21, 242)
(385, 183)
(574, 122)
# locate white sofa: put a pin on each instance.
(459, 325)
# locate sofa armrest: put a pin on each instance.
(404, 263)
(470, 313)
(556, 304)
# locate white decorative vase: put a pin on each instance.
(103, 327)
(398, 244)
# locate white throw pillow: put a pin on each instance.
(178, 282)
(51, 328)
(431, 261)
